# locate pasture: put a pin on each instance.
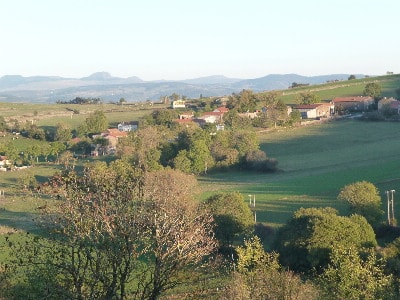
(315, 163)
(355, 87)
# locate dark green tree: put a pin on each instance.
(3, 124)
(364, 199)
(63, 133)
(96, 122)
(245, 101)
(306, 241)
(259, 276)
(372, 89)
(232, 216)
(351, 77)
(307, 98)
(351, 276)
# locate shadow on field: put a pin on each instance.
(11, 222)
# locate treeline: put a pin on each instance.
(81, 100)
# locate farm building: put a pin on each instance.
(178, 104)
(389, 104)
(317, 110)
(358, 103)
(212, 117)
(128, 126)
(186, 115)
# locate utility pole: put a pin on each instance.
(390, 206)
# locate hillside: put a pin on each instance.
(49, 89)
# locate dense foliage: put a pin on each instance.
(306, 241)
(364, 199)
(117, 233)
(232, 216)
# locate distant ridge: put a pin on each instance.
(16, 88)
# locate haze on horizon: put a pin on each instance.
(179, 39)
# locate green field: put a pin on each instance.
(316, 162)
(355, 87)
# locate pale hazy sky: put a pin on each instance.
(180, 39)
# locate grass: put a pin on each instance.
(345, 88)
(316, 162)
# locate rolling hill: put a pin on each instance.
(49, 89)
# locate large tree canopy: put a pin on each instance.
(306, 241)
(232, 216)
(117, 225)
(373, 89)
(96, 122)
(364, 199)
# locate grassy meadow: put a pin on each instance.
(315, 163)
(354, 87)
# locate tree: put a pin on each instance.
(257, 160)
(232, 216)
(174, 97)
(307, 98)
(95, 123)
(56, 148)
(142, 148)
(163, 117)
(351, 77)
(307, 239)
(3, 124)
(182, 162)
(364, 199)
(63, 133)
(295, 117)
(372, 89)
(244, 142)
(117, 225)
(93, 235)
(67, 159)
(245, 101)
(35, 132)
(259, 276)
(221, 150)
(181, 231)
(234, 121)
(348, 276)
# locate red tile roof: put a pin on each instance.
(114, 132)
(221, 109)
(352, 99)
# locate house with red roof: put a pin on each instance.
(212, 117)
(389, 104)
(353, 103)
(113, 135)
(221, 109)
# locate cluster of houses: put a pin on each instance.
(343, 105)
(338, 105)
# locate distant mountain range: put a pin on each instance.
(49, 89)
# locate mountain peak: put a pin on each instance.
(99, 76)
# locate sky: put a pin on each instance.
(182, 39)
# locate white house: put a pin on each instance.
(128, 126)
(178, 104)
(317, 110)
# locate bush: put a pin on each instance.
(256, 160)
